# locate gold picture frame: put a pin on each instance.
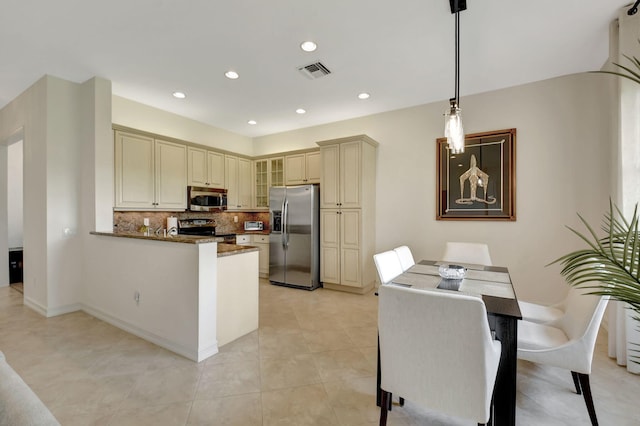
(480, 183)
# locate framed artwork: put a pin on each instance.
(479, 184)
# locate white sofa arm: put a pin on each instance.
(19, 405)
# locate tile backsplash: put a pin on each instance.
(128, 221)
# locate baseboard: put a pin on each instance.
(46, 312)
(36, 306)
(348, 289)
(196, 356)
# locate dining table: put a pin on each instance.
(493, 284)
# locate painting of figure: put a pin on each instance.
(479, 182)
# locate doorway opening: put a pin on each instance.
(14, 206)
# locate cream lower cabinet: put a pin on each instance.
(150, 174)
(340, 254)
(262, 243)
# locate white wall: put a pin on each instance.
(562, 167)
(14, 194)
(143, 117)
(63, 152)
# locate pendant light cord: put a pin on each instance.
(457, 90)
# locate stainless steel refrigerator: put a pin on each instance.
(294, 242)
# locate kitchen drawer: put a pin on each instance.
(243, 239)
(258, 239)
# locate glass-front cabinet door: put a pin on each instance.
(262, 184)
(268, 172)
(277, 171)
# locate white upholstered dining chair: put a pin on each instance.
(567, 342)
(436, 351)
(406, 257)
(473, 253)
(543, 314)
(388, 265)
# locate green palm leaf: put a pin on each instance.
(610, 265)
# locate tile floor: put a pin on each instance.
(312, 362)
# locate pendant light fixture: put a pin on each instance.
(453, 130)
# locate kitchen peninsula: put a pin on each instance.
(187, 294)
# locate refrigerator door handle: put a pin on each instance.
(282, 222)
(285, 224)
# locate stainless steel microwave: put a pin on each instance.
(202, 199)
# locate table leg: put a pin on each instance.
(378, 380)
(504, 395)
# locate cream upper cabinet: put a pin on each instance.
(276, 171)
(149, 173)
(268, 172)
(347, 212)
(237, 177)
(302, 168)
(245, 183)
(231, 180)
(171, 175)
(215, 169)
(134, 171)
(206, 168)
(197, 166)
(312, 166)
(330, 183)
(260, 168)
(342, 175)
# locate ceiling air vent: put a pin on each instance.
(314, 71)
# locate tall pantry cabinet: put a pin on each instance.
(347, 213)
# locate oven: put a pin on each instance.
(205, 228)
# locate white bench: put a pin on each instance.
(19, 405)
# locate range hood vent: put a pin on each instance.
(314, 70)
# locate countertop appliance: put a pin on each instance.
(294, 242)
(203, 227)
(206, 199)
(253, 225)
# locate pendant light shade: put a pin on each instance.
(453, 130)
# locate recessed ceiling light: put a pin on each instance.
(300, 111)
(308, 46)
(252, 122)
(231, 75)
(179, 95)
(363, 95)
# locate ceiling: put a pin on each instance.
(401, 52)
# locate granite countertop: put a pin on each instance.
(231, 249)
(223, 249)
(189, 239)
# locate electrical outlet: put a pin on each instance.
(235, 219)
